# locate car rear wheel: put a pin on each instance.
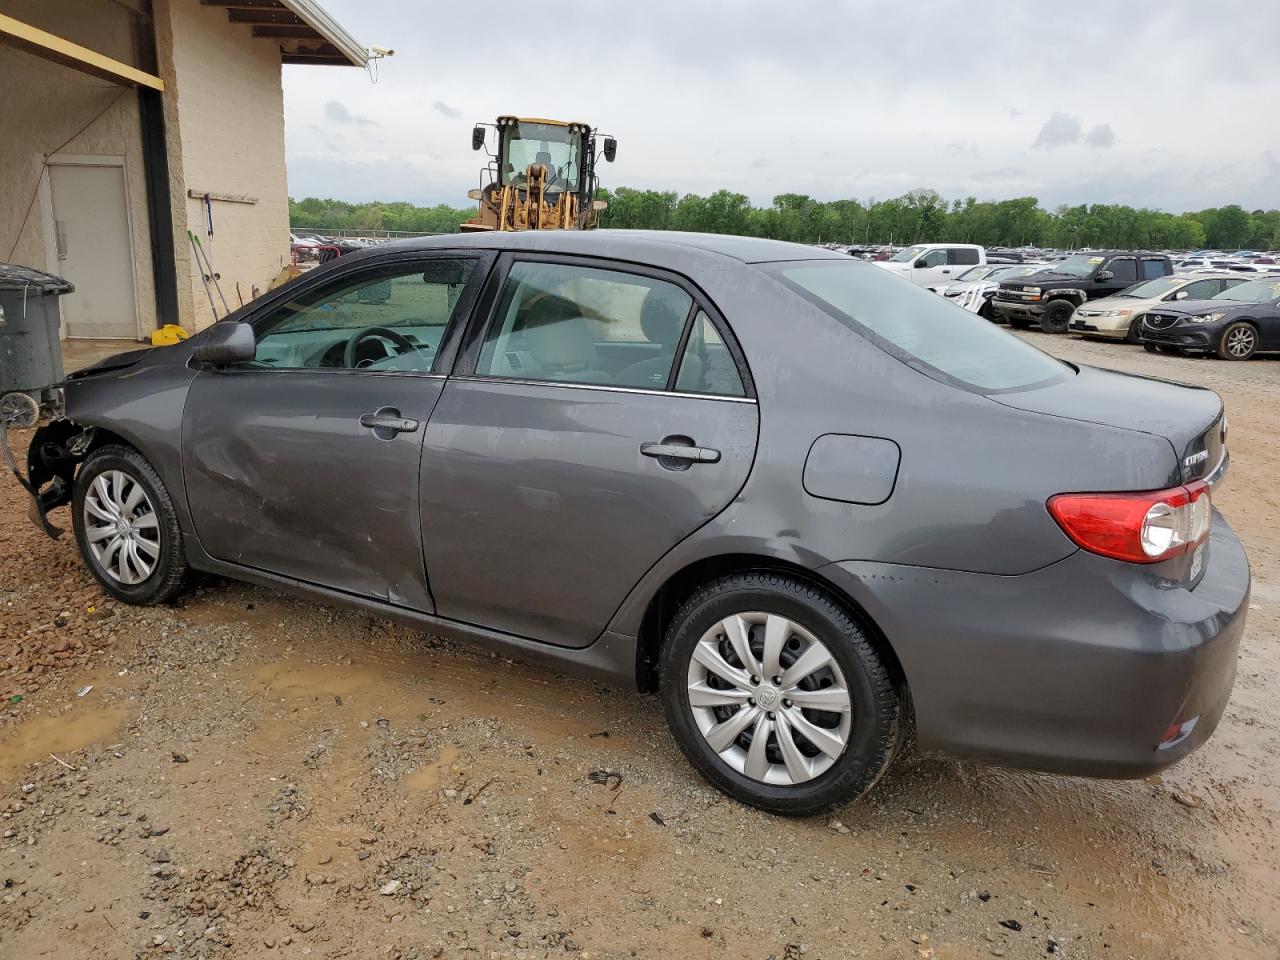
(1135, 331)
(1057, 316)
(775, 694)
(1238, 341)
(126, 527)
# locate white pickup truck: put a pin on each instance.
(934, 264)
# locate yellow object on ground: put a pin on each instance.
(167, 335)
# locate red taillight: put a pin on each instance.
(1136, 527)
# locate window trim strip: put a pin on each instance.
(603, 387)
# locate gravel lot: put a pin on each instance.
(249, 776)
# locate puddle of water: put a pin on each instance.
(428, 776)
(78, 726)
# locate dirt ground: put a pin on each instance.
(243, 775)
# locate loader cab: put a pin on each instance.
(540, 177)
(557, 146)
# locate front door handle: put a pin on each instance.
(678, 451)
(386, 422)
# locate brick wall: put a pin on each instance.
(225, 116)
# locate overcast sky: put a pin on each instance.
(1169, 105)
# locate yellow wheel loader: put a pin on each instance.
(542, 177)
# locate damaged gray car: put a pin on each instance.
(814, 508)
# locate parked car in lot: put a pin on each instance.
(1050, 297)
(975, 288)
(1235, 324)
(928, 264)
(1120, 315)
(811, 505)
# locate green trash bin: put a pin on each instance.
(30, 352)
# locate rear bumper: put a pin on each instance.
(1079, 668)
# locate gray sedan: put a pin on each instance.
(813, 507)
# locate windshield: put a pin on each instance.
(527, 142)
(980, 273)
(1080, 265)
(1253, 291)
(1150, 289)
(906, 254)
(921, 329)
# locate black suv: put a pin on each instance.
(1049, 297)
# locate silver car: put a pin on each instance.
(813, 507)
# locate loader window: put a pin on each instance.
(545, 143)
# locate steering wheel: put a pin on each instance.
(399, 339)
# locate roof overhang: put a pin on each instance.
(305, 31)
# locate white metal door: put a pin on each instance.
(94, 250)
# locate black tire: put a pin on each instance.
(1239, 341)
(1134, 334)
(170, 568)
(988, 312)
(1057, 316)
(878, 716)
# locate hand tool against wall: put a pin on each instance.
(204, 278)
(207, 271)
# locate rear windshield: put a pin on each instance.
(920, 328)
(1254, 291)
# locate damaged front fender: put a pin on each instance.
(55, 451)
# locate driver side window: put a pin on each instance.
(934, 258)
(389, 319)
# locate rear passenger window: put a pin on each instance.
(1202, 289)
(963, 256)
(1125, 271)
(575, 324)
(1152, 269)
(707, 366)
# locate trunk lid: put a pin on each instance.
(1190, 418)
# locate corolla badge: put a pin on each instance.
(1196, 458)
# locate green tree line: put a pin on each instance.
(920, 216)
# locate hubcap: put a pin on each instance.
(769, 698)
(121, 527)
(1240, 341)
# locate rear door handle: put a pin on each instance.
(676, 451)
(386, 422)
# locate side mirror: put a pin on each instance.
(610, 149)
(224, 343)
(1105, 275)
(1181, 295)
(477, 137)
(920, 263)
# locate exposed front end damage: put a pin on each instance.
(56, 449)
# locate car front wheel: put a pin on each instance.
(126, 527)
(1056, 317)
(775, 694)
(1238, 342)
(1134, 335)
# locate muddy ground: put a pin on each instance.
(251, 776)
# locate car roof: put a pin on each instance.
(625, 244)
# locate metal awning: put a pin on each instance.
(306, 32)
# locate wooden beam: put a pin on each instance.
(246, 4)
(328, 60)
(286, 31)
(223, 197)
(55, 48)
(263, 16)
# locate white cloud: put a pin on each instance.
(1101, 136)
(1059, 130)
